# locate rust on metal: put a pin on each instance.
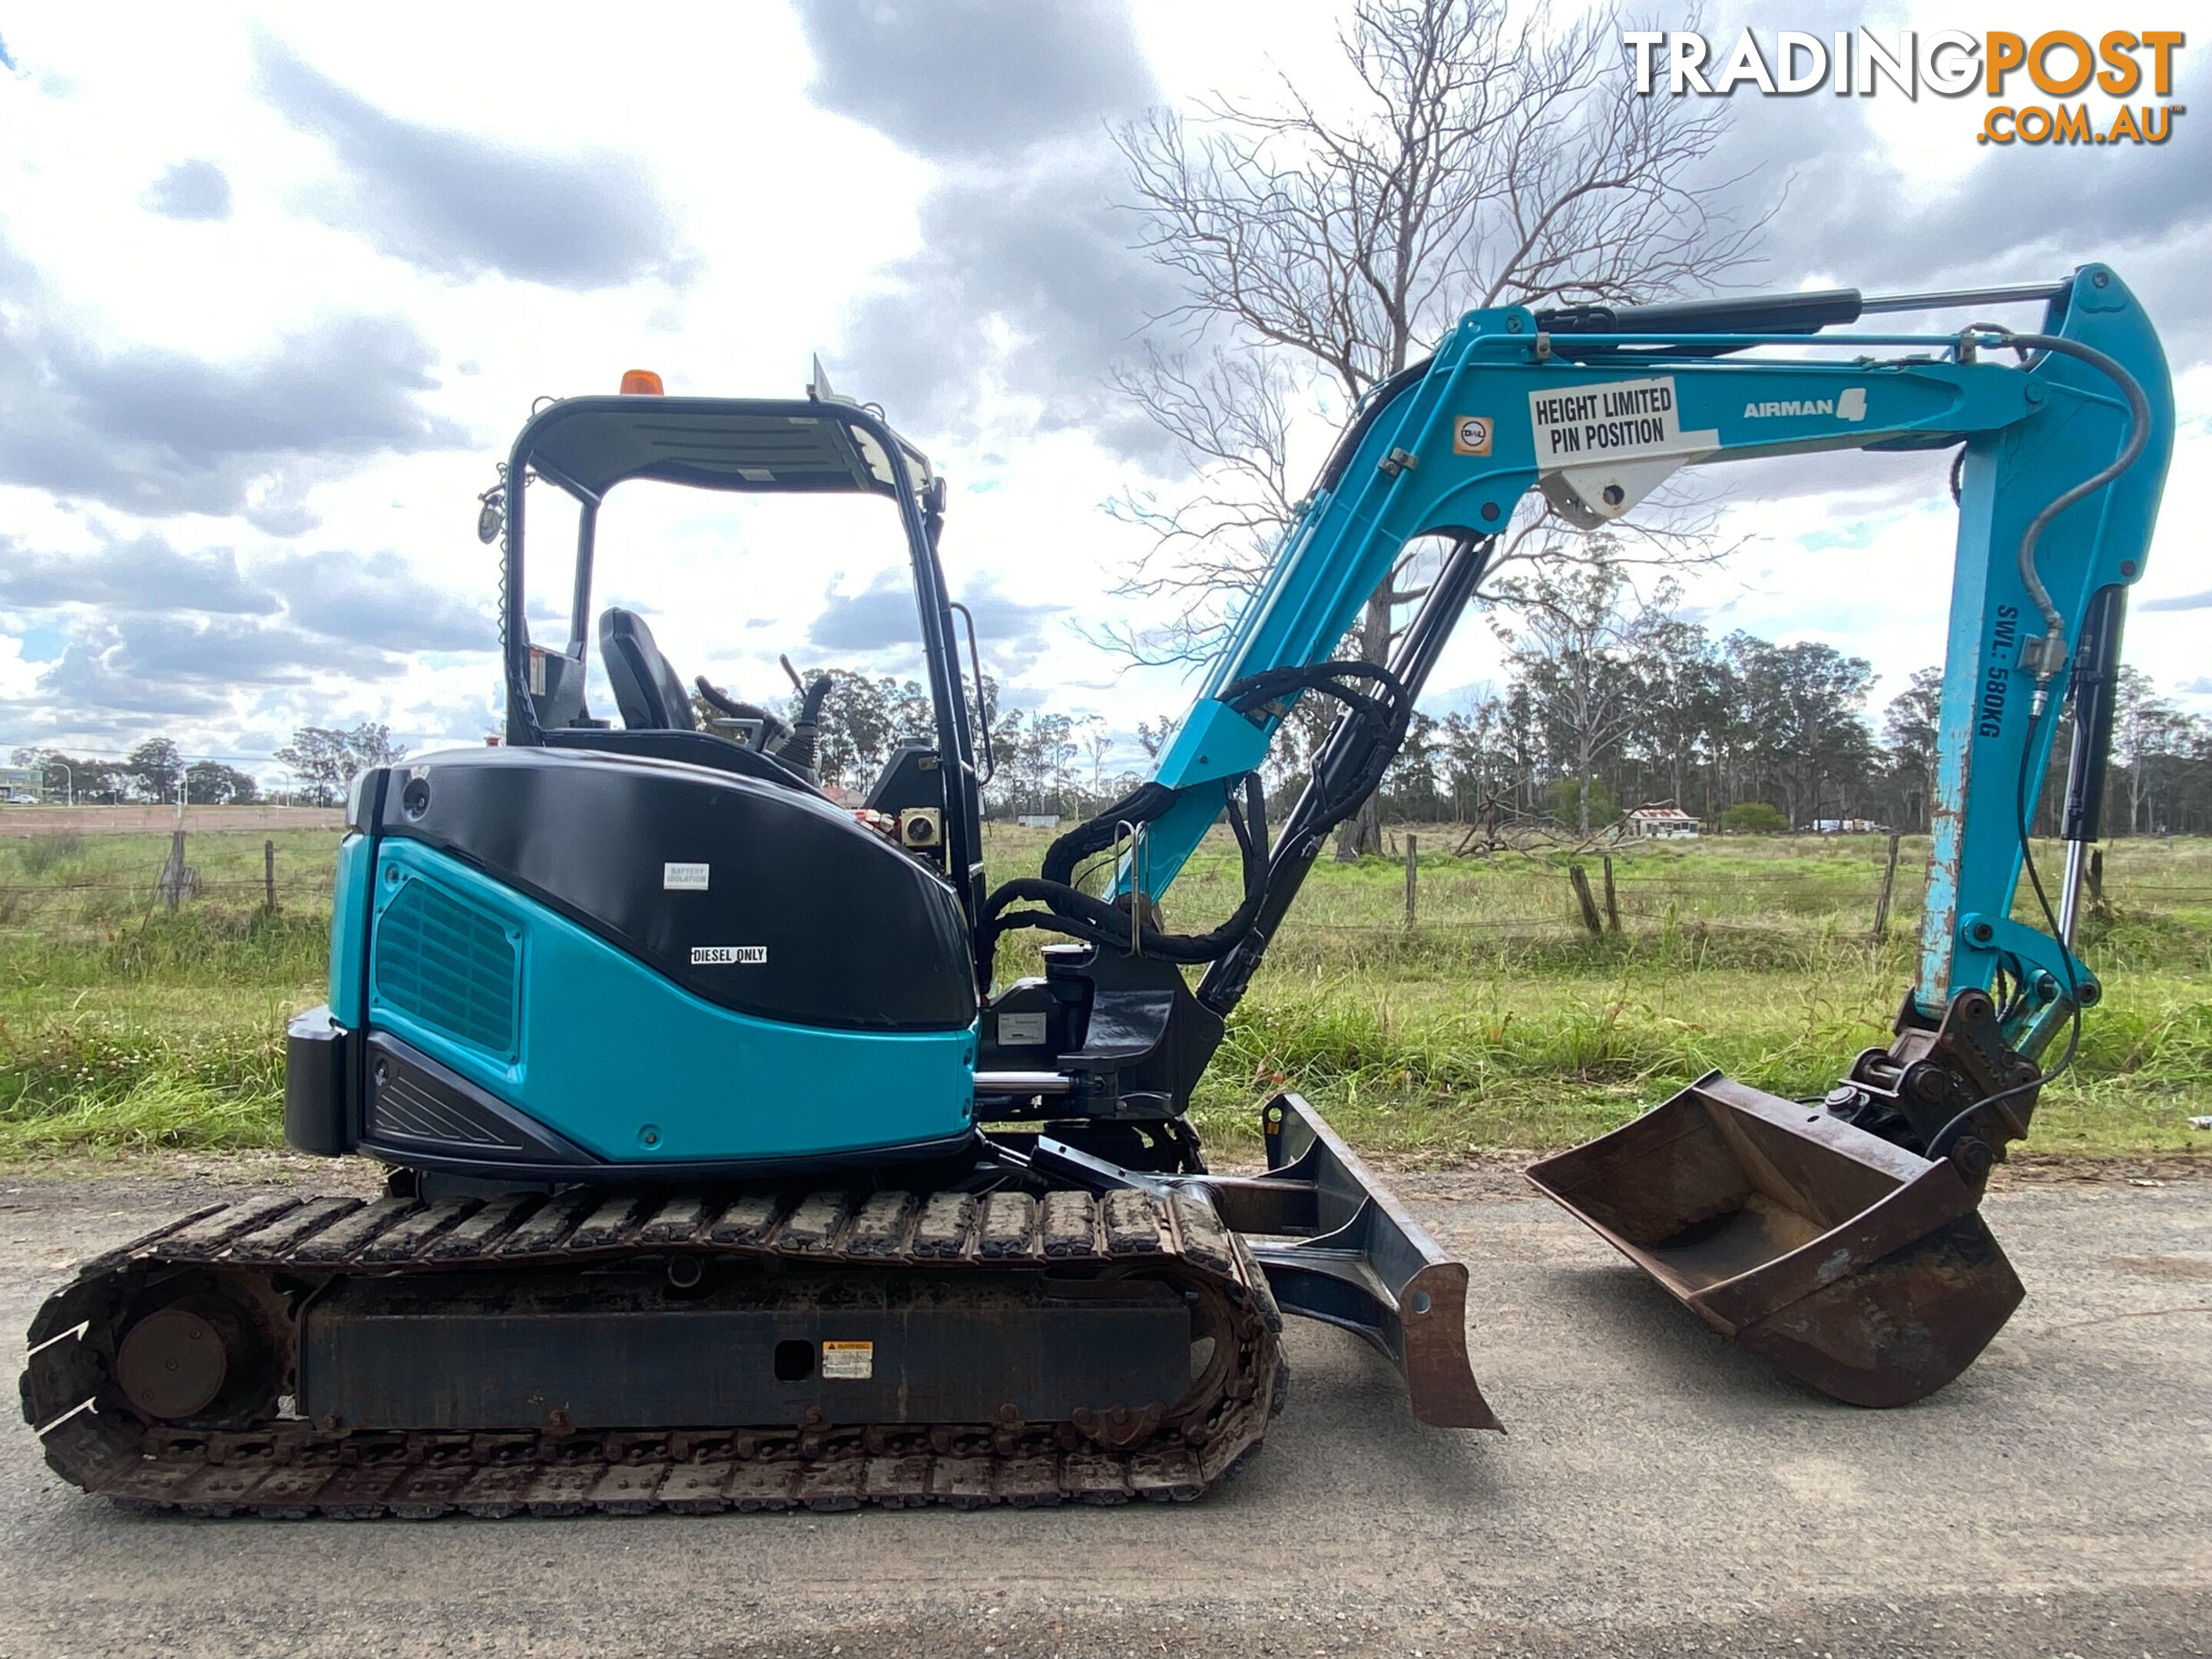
(1854, 1265)
(1354, 1256)
(168, 1406)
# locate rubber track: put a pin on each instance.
(293, 1469)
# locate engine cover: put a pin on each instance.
(756, 897)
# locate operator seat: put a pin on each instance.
(647, 690)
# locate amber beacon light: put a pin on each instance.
(643, 381)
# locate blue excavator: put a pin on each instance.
(724, 1170)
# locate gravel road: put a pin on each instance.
(1659, 1493)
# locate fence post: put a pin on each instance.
(1888, 881)
(269, 877)
(172, 873)
(1612, 905)
(1580, 878)
(2097, 879)
(1413, 845)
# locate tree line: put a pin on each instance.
(1609, 701)
(1037, 762)
(323, 761)
(1483, 154)
(1612, 700)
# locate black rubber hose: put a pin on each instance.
(1081, 915)
(1141, 806)
(1150, 801)
(2138, 436)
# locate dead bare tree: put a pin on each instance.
(1493, 156)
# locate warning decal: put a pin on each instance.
(853, 1361)
(1617, 421)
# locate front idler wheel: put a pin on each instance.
(188, 1360)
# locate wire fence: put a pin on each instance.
(94, 884)
(1818, 891)
(68, 883)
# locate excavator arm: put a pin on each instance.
(1596, 409)
(1841, 1241)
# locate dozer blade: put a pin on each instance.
(1847, 1261)
(1338, 1247)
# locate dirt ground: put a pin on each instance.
(1658, 1491)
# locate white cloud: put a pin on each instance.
(270, 347)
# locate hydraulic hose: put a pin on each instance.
(2047, 666)
(1384, 713)
(1076, 914)
(2053, 659)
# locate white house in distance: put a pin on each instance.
(1666, 822)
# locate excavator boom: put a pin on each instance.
(1840, 1239)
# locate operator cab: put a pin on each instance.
(826, 444)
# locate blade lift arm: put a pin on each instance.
(2064, 457)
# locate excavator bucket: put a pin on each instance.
(1847, 1261)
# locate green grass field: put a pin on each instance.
(1494, 1021)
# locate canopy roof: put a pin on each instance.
(589, 445)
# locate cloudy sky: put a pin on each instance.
(276, 286)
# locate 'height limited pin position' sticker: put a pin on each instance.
(1613, 421)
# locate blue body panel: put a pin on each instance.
(2030, 435)
(2075, 425)
(634, 1069)
(349, 903)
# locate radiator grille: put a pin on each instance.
(449, 965)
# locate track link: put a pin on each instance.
(279, 1252)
